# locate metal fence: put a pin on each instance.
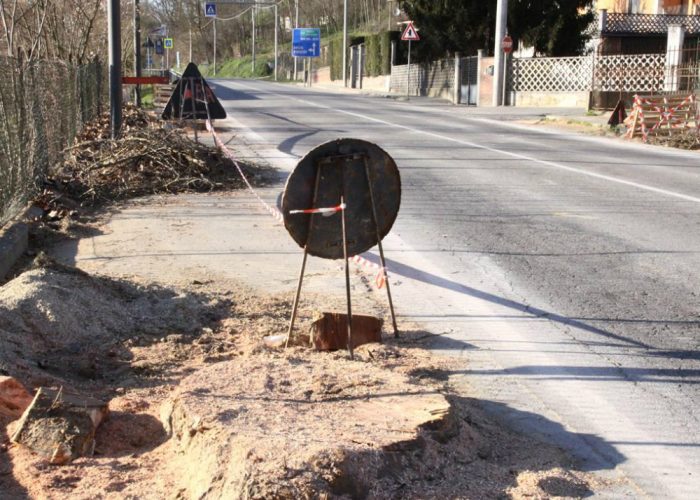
(43, 105)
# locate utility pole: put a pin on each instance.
(277, 25)
(499, 71)
(345, 43)
(137, 51)
(115, 66)
(296, 25)
(252, 11)
(214, 21)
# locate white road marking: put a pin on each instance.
(519, 156)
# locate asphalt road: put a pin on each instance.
(562, 268)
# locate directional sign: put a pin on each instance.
(168, 43)
(306, 42)
(410, 34)
(209, 10)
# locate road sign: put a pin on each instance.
(193, 99)
(209, 10)
(306, 42)
(410, 34)
(507, 44)
(159, 47)
(168, 43)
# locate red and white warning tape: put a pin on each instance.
(229, 154)
(324, 211)
(359, 261)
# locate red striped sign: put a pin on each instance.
(145, 80)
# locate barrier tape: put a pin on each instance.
(381, 277)
(324, 211)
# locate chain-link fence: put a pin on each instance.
(43, 105)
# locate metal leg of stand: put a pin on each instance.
(306, 255)
(347, 279)
(381, 248)
(296, 299)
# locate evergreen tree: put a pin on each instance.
(553, 27)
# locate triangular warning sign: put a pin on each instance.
(192, 98)
(410, 33)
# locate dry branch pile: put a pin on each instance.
(146, 159)
(689, 139)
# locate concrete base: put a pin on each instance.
(552, 99)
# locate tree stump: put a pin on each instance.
(330, 331)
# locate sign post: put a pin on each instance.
(306, 42)
(210, 11)
(410, 34)
(507, 45)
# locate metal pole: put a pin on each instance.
(347, 277)
(277, 25)
(137, 51)
(252, 11)
(501, 28)
(408, 74)
(190, 59)
(296, 25)
(345, 43)
(115, 66)
(370, 183)
(505, 79)
(215, 46)
(295, 307)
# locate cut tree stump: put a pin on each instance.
(330, 331)
(60, 427)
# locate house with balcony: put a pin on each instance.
(641, 26)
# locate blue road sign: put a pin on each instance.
(306, 42)
(209, 10)
(159, 47)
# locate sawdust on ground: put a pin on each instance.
(146, 347)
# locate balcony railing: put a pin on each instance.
(645, 24)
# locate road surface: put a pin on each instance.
(564, 269)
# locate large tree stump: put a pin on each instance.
(330, 331)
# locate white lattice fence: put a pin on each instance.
(630, 73)
(551, 74)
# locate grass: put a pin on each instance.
(242, 67)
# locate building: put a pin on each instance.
(641, 26)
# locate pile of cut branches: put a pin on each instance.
(146, 159)
(688, 139)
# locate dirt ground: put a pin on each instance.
(200, 408)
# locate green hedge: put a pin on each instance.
(377, 53)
